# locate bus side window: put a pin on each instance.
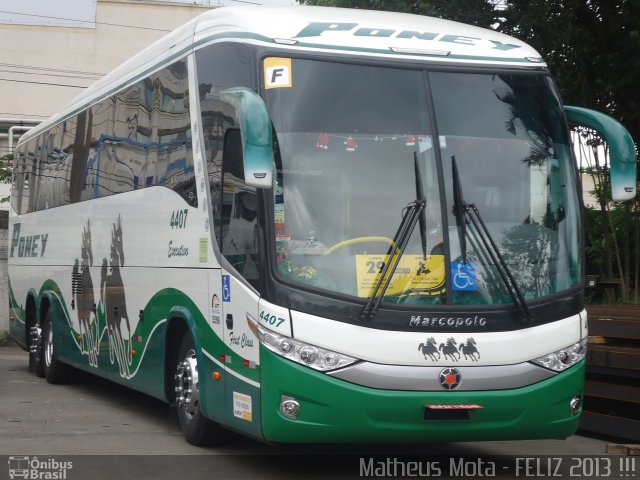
(81, 146)
(33, 166)
(172, 163)
(17, 179)
(219, 67)
(238, 225)
(27, 175)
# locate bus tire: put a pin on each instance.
(35, 364)
(197, 429)
(36, 349)
(54, 370)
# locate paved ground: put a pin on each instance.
(96, 417)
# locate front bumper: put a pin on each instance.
(336, 411)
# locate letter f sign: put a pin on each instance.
(277, 73)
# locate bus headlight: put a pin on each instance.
(303, 353)
(565, 358)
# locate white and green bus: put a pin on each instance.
(315, 225)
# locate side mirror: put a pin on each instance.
(255, 131)
(622, 151)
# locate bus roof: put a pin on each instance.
(320, 29)
(344, 30)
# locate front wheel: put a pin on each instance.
(54, 370)
(198, 430)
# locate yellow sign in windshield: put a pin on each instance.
(414, 275)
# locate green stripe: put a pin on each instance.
(146, 368)
(389, 52)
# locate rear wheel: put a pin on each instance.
(54, 370)
(36, 365)
(198, 430)
(34, 340)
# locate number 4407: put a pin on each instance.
(271, 319)
(179, 219)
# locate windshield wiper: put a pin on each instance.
(413, 213)
(423, 212)
(459, 209)
(468, 214)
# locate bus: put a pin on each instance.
(315, 225)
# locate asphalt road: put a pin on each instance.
(117, 432)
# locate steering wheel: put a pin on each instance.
(353, 241)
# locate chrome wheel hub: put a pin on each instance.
(187, 385)
(48, 346)
(36, 337)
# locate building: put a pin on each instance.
(51, 51)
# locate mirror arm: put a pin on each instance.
(622, 150)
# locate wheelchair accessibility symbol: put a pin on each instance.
(226, 288)
(463, 277)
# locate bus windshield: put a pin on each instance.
(346, 140)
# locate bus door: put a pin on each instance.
(240, 276)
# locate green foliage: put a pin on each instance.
(6, 340)
(474, 12)
(591, 49)
(5, 168)
(6, 162)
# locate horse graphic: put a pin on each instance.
(450, 350)
(114, 302)
(469, 349)
(429, 349)
(82, 293)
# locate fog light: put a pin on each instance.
(289, 407)
(575, 404)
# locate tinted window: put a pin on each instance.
(220, 67)
(142, 137)
(239, 213)
(507, 135)
(139, 137)
(18, 181)
(348, 140)
(52, 172)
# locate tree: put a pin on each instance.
(591, 49)
(474, 12)
(5, 172)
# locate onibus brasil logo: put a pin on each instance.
(38, 469)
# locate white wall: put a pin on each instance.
(51, 65)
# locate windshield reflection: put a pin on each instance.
(345, 174)
(508, 137)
